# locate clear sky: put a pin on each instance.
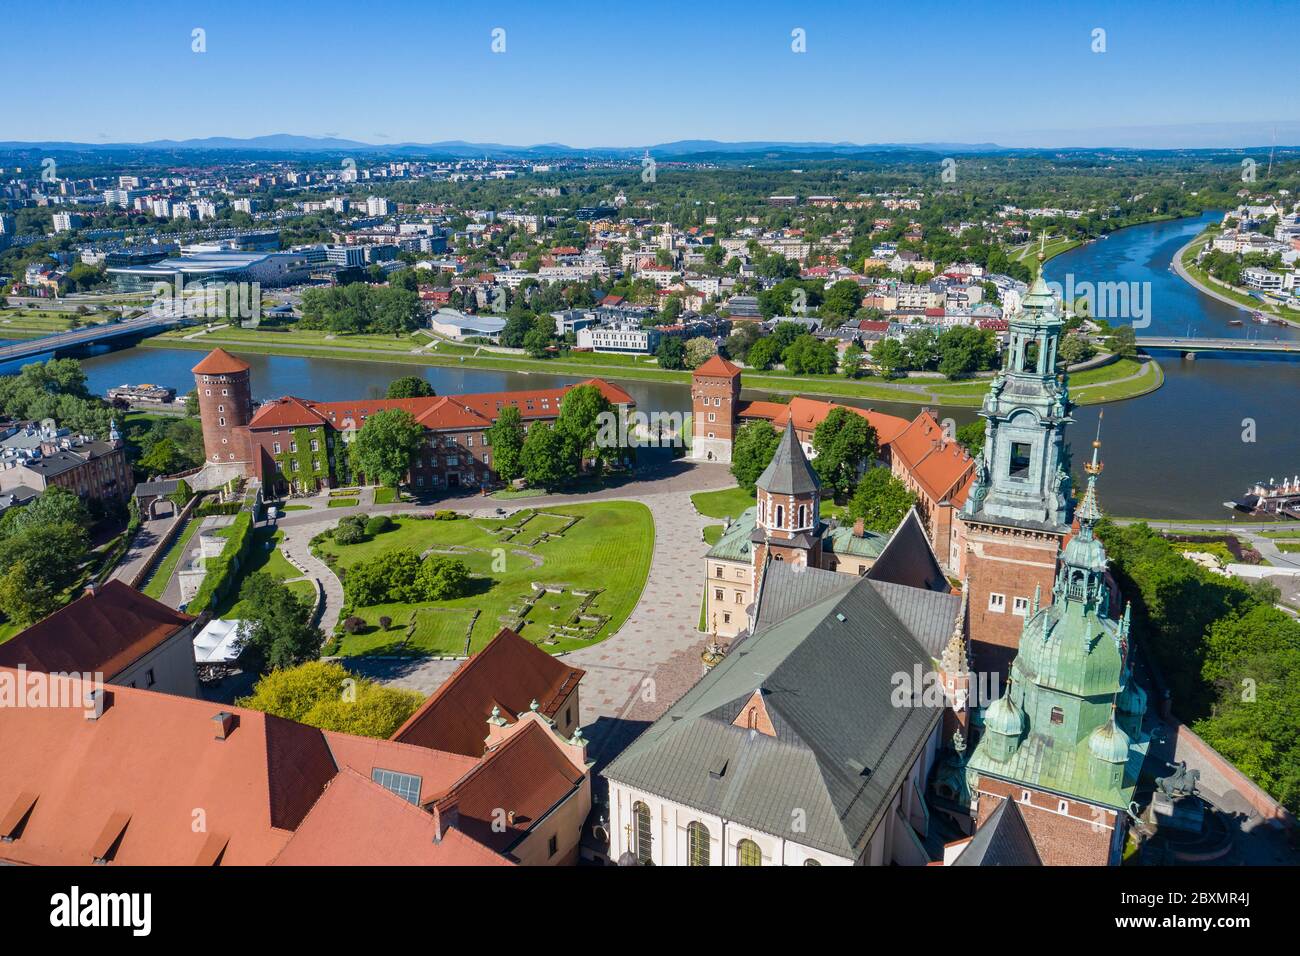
(619, 73)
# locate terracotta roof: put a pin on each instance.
(941, 466)
(149, 759)
(356, 822)
(808, 413)
(220, 362)
(105, 632)
(438, 412)
(526, 775)
(718, 366)
(509, 673)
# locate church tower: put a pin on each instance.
(1017, 513)
(715, 395)
(1065, 740)
(788, 523)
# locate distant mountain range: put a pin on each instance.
(685, 149)
(286, 142)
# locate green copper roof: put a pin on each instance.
(843, 541)
(734, 544)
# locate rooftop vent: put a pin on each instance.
(226, 724)
(98, 700)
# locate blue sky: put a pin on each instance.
(636, 73)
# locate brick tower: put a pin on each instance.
(788, 524)
(225, 407)
(1017, 513)
(715, 393)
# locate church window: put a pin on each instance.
(641, 838)
(997, 602)
(1030, 362)
(697, 844)
(1058, 715)
(748, 854)
(803, 515)
(780, 516)
(751, 718)
(1020, 452)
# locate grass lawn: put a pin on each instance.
(712, 533)
(295, 507)
(344, 502)
(608, 548)
(1289, 547)
(727, 503)
(386, 496)
(268, 561)
(167, 566)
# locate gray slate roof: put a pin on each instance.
(841, 748)
(1004, 840)
(789, 473)
(787, 588)
(908, 558)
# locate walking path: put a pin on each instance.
(636, 673)
(150, 533)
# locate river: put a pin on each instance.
(1176, 453)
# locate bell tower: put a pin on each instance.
(715, 393)
(788, 524)
(1017, 513)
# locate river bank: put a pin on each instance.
(1115, 382)
(1236, 297)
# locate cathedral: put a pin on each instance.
(1048, 761)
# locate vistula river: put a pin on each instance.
(1176, 453)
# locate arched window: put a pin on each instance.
(748, 854)
(641, 838)
(811, 862)
(752, 718)
(803, 516)
(697, 844)
(780, 516)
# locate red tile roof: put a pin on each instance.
(942, 467)
(526, 775)
(356, 822)
(808, 413)
(220, 362)
(718, 367)
(509, 673)
(101, 633)
(127, 784)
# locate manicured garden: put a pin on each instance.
(564, 578)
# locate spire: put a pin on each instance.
(955, 659)
(789, 472)
(1089, 511)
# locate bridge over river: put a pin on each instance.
(47, 345)
(1189, 346)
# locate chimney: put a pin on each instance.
(226, 724)
(446, 817)
(98, 700)
(92, 589)
(859, 528)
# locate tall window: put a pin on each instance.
(748, 854)
(697, 844)
(780, 516)
(1020, 452)
(641, 838)
(803, 515)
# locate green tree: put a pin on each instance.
(845, 443)
(807, 355)
(971, 436)
(385, 445)
(410, 386)
(880, 501)
(763, 354)
(26, 595)
(851, 361)
(671, 352)
(544, 458)
(506, 439)
(752, 450)
(1123, 342)
(583, 410)
(275, 626)
(699, 350)
(889, 356)
(842, 300)
(322, 694)
(536, 342)
(442, 578)
(964, 349)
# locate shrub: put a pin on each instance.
(385, 621)
(349, 534)
(378, 525)
(445, 515)
(353, 624)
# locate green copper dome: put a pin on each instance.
(1085, 551)
(1133, 699)
(1109, 743)
(1004, 717)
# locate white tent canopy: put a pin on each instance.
(218, 643)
